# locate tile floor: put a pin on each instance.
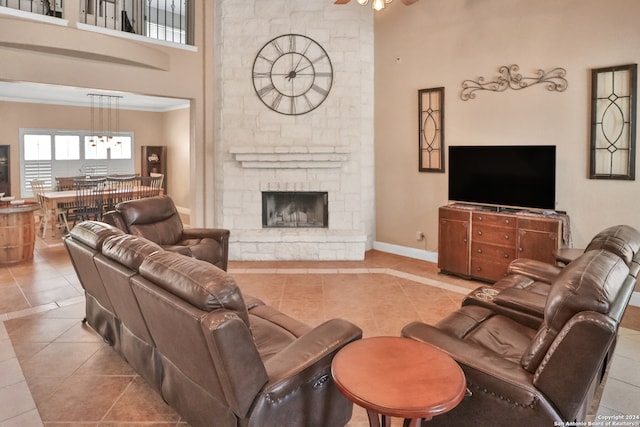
(56, 372)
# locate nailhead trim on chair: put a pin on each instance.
(531, 405)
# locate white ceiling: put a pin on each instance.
(65, 95)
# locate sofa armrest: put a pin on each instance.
(219, 234)
(537, 270)
(311, 354)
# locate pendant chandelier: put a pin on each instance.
(375, 4)
(105, 120)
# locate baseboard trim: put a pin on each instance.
(433, 257)
(405, 251)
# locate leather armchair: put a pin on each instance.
(525, 287)
(536, 376)
(157, 219)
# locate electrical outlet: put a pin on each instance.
(419, 236)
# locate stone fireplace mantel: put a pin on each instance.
(288, 157)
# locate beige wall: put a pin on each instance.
(175, 130)
(432, 44)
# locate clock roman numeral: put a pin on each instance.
(292, 108)
(261, 75)
(261, 56)
(265, 90)
(292, 43)
(320, 90)
(276, 101)
(309, 104)
(277, 47)
(319, 58)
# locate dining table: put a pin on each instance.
(53, 198)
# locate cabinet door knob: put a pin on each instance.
(464, 240)
(506, 237)
(479, 251)
(521, 249)
(480, 218)
(506, 256)
(507, 221)
(479, 232)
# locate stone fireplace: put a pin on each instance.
(283, 209)
(329, 150)
(294, 203)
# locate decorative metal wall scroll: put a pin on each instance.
(509, 78)
(613, 127)
(431, 138)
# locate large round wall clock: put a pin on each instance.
(292, 74)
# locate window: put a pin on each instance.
(48, 153)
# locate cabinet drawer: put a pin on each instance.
(493, 235)
(487, 270)
(548, 225)
(453, 214)
(494, 220)
(495, 253)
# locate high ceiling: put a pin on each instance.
(64, 95)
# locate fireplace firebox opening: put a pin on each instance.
(291, 209)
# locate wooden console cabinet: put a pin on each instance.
(478, 243)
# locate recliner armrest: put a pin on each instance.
(521, 300)
(537, 270)
(289, 369)
(218, 234)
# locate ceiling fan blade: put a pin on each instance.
(409, 2)
(342, 1)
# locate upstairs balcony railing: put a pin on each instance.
(166, 20)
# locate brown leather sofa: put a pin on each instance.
(218, 357)
(157, 219)
(526, 375)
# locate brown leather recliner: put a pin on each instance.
(157, 219)
(519, 375)
(525, 287)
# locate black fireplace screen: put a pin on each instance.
(295, 209)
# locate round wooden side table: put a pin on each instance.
(398, 377)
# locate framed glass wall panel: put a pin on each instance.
(613, 122)
(431, 138)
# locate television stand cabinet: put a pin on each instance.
(479, 243)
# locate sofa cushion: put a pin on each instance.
(93, 233)
(201, 284)
(128, 249)
(590, 283)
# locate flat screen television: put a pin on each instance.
(522, 176)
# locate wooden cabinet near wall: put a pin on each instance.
(480, 244)
(5, 172)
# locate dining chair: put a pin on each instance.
(89, 199)
(60, 215)
(121, 189)
(149, 186)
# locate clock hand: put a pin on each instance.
(302, 55)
